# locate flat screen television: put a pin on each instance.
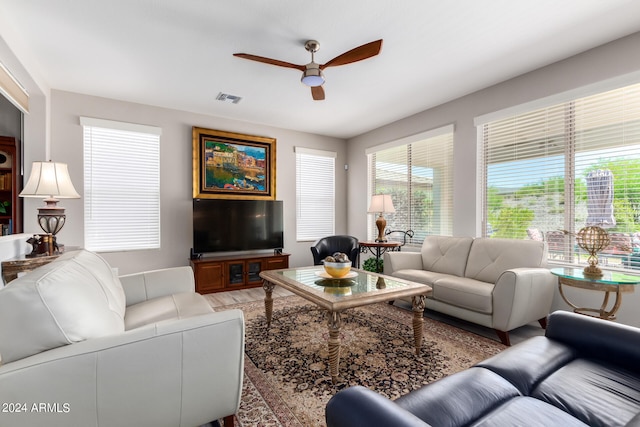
(221, 225)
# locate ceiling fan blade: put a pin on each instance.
(270, 61)
(317, 92)
(357, 54)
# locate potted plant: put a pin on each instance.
(371, 264)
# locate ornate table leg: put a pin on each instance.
(601, 312)
(611, 314)
(418, 303)
(603, 308)
(268, 300)
(572, 305)
(334, 323)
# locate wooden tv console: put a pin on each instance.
(226, 273)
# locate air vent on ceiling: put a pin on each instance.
(228, 98)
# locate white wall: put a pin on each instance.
(176, 173)
(616, 59)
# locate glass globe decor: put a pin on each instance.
(592, 239)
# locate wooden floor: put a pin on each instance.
(220, 299)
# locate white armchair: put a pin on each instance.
(82, 347)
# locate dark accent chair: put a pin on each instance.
(584, 371)
(332, 244)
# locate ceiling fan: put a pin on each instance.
(312, 72)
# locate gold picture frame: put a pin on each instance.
(229, 165)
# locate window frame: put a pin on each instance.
(443, 204)
(315, 210)
(599, 126)
(132, 148)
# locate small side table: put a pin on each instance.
(610, 282)
(12, 267)
(378, 249)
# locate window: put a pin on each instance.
(418, 174)
(539, 168)
(315, 193)
(121, 186)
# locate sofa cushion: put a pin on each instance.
(74, 298)
(602, 386)
(420, 276)
(458, 399)
(489, 258)
(530, 362)
(176, 306)
(526, 411)
(464, 292)
(445, 254)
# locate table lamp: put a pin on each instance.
(50, 181)
(381, 203)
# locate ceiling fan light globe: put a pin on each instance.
(312, 77)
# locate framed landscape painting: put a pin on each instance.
(229, 165)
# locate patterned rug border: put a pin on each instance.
(262, 406)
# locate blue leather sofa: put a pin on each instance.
(583, 372)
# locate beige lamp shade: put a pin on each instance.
(49, 180)
(381, 203)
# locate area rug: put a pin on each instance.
(286, 366)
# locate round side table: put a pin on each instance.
(610, 282)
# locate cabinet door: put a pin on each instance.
(235, 273)
(10, 213)
(6, 200)
(254, 267)
(209, 277)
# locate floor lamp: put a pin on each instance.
(50, 181)
(381, 203)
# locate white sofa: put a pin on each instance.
(82, 347)
(498, 283)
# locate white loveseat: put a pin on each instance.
(82, 347)
(498, 283)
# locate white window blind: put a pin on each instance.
(419, 177)
(315, 193)
(537, 169)
(121, 186)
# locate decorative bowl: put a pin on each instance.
(337, 269)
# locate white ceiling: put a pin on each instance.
(178, 53)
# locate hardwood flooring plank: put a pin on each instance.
(219, 299)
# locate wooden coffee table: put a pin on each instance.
(360, 288)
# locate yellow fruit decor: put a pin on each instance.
(337, 265)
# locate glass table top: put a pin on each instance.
(356, 282)
(608, 277)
